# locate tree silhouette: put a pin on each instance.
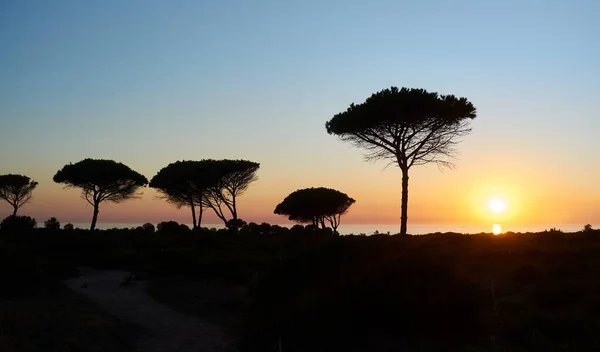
(101, 180)
(208, 183)
(52, 224)
(408, 127)
(184, 183)
(16, 190)
(229, 179)
(315, 205)
(18, 223)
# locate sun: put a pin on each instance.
(497, 206)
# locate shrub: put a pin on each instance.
(148, 227)
(69, 226)
(172, 227)
(52, 224)
(20, 222)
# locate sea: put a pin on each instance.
(387, 228)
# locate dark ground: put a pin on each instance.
(311, 291)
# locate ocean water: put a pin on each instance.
(392, 229)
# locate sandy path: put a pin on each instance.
(166, 330)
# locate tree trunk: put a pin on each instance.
(94, 218)
(200, 210)
(14, 215)
(193, 214)
(404, 216)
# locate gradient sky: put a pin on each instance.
(147, 83)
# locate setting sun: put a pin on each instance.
(497, 229)
(497, 206)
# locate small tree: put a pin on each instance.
(101, 180)
(69, 227)
(315, 205)
(16, 190)
(407, 127)
(148, 227)
(52, 224)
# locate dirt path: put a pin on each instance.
(166, 329)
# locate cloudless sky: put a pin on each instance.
(147, 83)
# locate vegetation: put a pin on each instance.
(101, 180)
(310, 290)
(315, 205)
(18, 223)
(407, 127)
(16, 190)
(52, 224)
(233, 177)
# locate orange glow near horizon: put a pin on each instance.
(497, 229)
(461, 197)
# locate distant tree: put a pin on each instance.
(52, 224)
(171, 227)
(235, 224)
(407, 127)
(18, 223)
(315, 206)
(148, 227)
(69, 227)
(588, 228)
(184, 183)
(16, 190)
(101, 180)
(229, 179)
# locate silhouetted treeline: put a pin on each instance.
(309, 289)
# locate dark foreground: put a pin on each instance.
(301, 290)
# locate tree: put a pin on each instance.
(171, 227)
(69, 227)
(18, 223)
(207, 183)
(407, 127)
(16, 190)
(52, 224)
(148, 227)
(229, 179)
(315, 205)
(183, 183)
(101, 180)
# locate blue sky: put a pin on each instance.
(150, 82)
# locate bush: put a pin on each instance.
(18, 223)
(172, 227)
(52, 224)
(69, 226)
(148, 227)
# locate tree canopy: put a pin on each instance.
(231, 179)
(16, 190)
(101, 180)
(407, 127)
(184, 183)
(315, 205)
(207, 183)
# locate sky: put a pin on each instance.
(148, 82)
